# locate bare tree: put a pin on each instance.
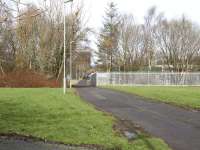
(148, 36)
(130, 43)
(34, 35)
(179, 43)
(7, 38)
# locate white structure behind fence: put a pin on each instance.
(145, 79)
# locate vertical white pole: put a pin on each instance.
(149, 69)
(64, 55)
(70, 62)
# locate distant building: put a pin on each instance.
(82, 63)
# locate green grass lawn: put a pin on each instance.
(188, 97)
(48, 114)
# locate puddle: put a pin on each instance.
(129, 130)
(130, 135)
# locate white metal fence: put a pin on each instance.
(145, 79)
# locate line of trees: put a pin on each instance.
(31, 37)
(125, 45)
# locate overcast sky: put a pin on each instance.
(171, 9)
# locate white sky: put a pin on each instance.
(171, 9)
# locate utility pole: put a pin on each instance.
(64, 55)
(70, 63)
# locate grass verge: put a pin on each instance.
(50, 115)
(188, 97)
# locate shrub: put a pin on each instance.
(27, 79)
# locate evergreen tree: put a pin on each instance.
(108, 38)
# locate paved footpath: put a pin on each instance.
(13, 144)
(178, 127)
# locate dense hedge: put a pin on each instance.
(26, 79)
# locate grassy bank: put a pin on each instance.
(181, 96)
(48, 114)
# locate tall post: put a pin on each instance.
(70, 63)
(64, 54)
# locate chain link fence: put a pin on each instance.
(149, 79)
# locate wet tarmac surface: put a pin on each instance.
(14, 144)
(179, 128)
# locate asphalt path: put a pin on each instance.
(16, 144)
(179, 128)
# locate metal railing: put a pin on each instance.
(149, 79)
